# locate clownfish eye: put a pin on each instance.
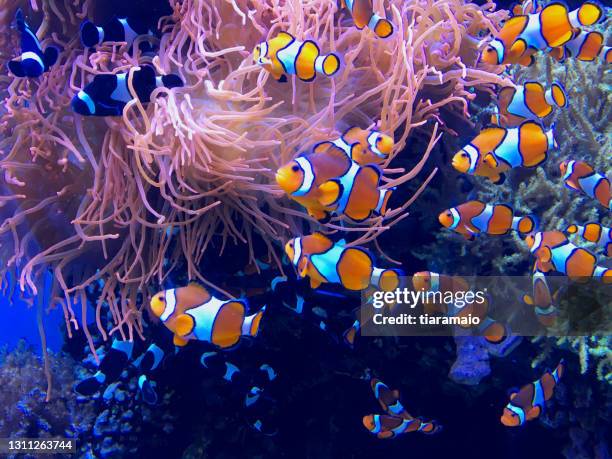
(448, 214)
(291, 244)
(162, 298)
(295, 168)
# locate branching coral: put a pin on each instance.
(126, 200)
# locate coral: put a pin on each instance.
(105, 426)
(115, 205)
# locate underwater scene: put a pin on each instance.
(305, 229)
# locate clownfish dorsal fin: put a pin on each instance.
(320, 236)
(323, 147)
(335, 151)
(286, 36)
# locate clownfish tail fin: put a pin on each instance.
(430, 427)
(327, 64)
(606, 53)
(556, 95)
(525, 225)
(588, 14)
(90, 34)
(250, 326)
(381, 26)
(383, 200)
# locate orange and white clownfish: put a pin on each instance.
(524, 146)
(328, 181)
(362, 146)
(285, 55)
(595, 233)
(580, 176)
(554, 252)
(542, 300)
(388, 399)
(528, 403)
(193, 313)
(526, 7)
(586, 46)
(521, 36)
(474, 217)
(530, 101)
(386, 427)
(323, 261)
(497, 149)
(363, 15)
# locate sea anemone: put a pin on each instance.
(119, 203)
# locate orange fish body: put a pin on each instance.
(321, 260)
(529, 402)
(526, 7)
(521, 36)
(328, 181)
(542, 300)
(595, 233)
(192, 313)
(364, 16)
(530, 101)
(554, 252)
(586, 46)
(579, 176)
(285, 55)
(474, 217)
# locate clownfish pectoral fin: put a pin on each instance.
(533, 413)
(50, 56)
(16, 68)
(184, 325)
(527, 299)
(282, 78)
(544, 254)
(314, 283)
(330, 192)
(512, 392)
(302, 268)
(518, 48)
(490, 160)
(178, 341)
(498, 179)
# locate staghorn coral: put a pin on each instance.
(124, 201)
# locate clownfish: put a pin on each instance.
(526, 7)
(116, 30)
(397, 421)
(328, 181)
(542, 300)
(579, 176)
(586, 46)
(554, 252)
(528, 403)
(34, 61)
(474, 217)
(108, 94)
(317, 257)
(385, 426)
(595, 233)
(193, 313)
(521, 36)
(350, 334)
(362, 146)
(497, 149)
(285, 55)
(529, 101)
(363, 15)
(524, 146)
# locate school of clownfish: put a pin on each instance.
(341, 177)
